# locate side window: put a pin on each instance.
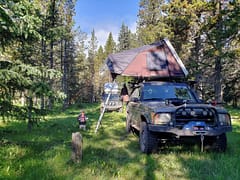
(135, 93)
(148, 92)
(182, 93)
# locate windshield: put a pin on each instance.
(167, 91)
(114, 97)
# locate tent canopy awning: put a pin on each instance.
(157, 60)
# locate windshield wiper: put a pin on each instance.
(153, 99)
(178, 100)
(174, 99)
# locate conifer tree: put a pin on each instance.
(221, 28)
(100, 77)
(124, 38)
(92, 48)
(110, 46)
(151, 27)
(67, 60)
(203, 34)
(26, 57)
(80, 69)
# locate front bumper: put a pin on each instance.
(216, 131)
(113, 108)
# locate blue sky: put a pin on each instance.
(106, 16)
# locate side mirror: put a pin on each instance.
(214, 103)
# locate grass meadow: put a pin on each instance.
(45, 152)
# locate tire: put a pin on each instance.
(146, 139)
(218, 143)
(120, 110)
(128, 124)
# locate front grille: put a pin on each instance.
(186, 114)
(112, 103)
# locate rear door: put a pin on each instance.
(134, 107)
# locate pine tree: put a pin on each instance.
(110, 46)
(80, 69)
(92, 48)
(221, 28)
(100, 77)
(68, 81)
(124, 38)
(151, 27)
(200, 32)
(30, 47)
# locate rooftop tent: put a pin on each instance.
(157, 60)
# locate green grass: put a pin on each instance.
(45, 152)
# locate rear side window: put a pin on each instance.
(136, 93)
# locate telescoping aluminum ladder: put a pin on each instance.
(104, 107)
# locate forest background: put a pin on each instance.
(45, 60)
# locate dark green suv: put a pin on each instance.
(161, 112)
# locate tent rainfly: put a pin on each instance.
(157, 60)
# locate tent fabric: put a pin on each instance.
(154, 60)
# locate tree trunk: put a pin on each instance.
(218, 80)
(235, 102)
(30, 106)
(42, 103)
(218, 60)
(64, 78)
(51, 65)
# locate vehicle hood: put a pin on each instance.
(163, 107)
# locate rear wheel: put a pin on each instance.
(146, 140)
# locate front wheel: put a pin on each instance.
(218, 143)
(128, 124)
(146, 140)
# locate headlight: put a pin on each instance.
(161, 118)
(224, 119)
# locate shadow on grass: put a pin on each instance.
(41, 146)
(194, 164)
(109, 153)
(26, 155)
(210, 164)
